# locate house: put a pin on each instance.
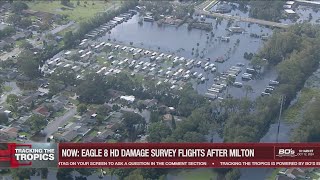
(129, 99)
(167, 117)
(223, 8)
(61, 99)
(10, 132)
(57, 106)
(150, 102)
(21, 35)
(82, 130)
(42, 110)
(68, 136)
(283, 177)
(86, 119)
(27, 100)
(295, 173)
(4, 43)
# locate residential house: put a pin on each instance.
(3, 44)
(283, 177)
(82, 130)
(149, 103)
(10, 132)
(42, 110)
(295, 173)
(27, 100)
(67, 136)
(88, 119)
(61, 99)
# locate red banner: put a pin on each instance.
(188, 155)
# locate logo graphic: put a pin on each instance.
(7, 155)
(286, 153)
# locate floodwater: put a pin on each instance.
(182, 42)
(302, 11)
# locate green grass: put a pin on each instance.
(60, 113)
(74, 101)
(103, 61)
(291, 114)
(78, 13)
(273, 174)
(199, 174)
(77, 139)
(24, 133)
(112, 141)
(93, 133)
(7, 88)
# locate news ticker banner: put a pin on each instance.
(159, 155)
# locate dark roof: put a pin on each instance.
(42, 110)
(70, 135)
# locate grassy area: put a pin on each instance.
(78, 13)
(74, 101)
(102, 60)
(112, 141)
(24, 133)
(200, 174)
(292, 114)
(93, 133)
(60, 113)
(7, 88)
(77, 139)
(273, 175)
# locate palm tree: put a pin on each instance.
(230, 81)
(247, 89)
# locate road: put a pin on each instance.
(53, 126)
(203, 9)
(62, 27)
(16, 51)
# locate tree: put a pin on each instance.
(28, 64)
(131, 122)
(173, 123)
(44, 173)
(102, 110)
(155, 116)
(84, 171)
(69, 39)
(37, 122)
(54, 88)
(3, 118)
(234, 174)
(158, 131)
(193, 137)
(12, 99)
(116, 107)
(247, 89)
(18, 6)
(23, 173)
(92, 89)
(153, 173)
(82, 108)
(64, 174)
(26, 45)
(64, 75)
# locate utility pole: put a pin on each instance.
(281, 104)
